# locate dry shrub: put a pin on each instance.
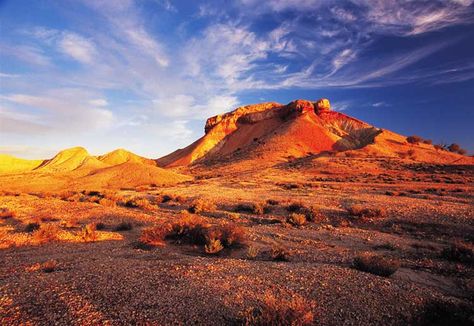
(5, 213)
(124, 226)
(71, 223)
(296, 207)
(88, 233)
(100, 226)
(171, 197)
(272, 202)
(376, 264)
(189, 228)
(154, 236)
(141, 203)
(213, 246)
(459, 252)
(253, 208)
(201, 205)
(231, 235)
(414, 139)
(281, 311)
(31, 227)
(361, 211)
(313, 214)
(252, 252)
(280, 254)
(296, 219)
(107, 202)
(49, 266)
(46, 233)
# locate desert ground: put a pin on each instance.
(419, 219)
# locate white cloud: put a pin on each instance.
(99, 102)
(77, 47)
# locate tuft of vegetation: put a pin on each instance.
(5, 213)
(455, 148)
(100, 226)
(124, 226)
(188, 228)
(280, 254)
(367, 212)
(88, 233)
(141, 203)
(296, 219)
(201, 205)
(296, 207)
(280, 311)
(46, 233)
(313, 214)
(252, 208)
(154, 236)
(459, 252)
(252, 252)
(376, 264)
(31, 227)
(213, 246)
(414, 139)
(427, 141)
(49, 266)
(438, 147)
(272, 202)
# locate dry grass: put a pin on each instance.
(296, 207)
(88, 233)
(313, 214)
(367, 212)
(124, 226)
(280, 254)
(31, 227)
(296, 219)
(189, 229)
(459, 252)
(201, 205)
(141, 203)
(376, 264)
(252, 208)
(6, 212)
(252, 252)
(46, 233)
(213, 246)
(154, 236)
(281, 311)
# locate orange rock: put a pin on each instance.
(323, 105)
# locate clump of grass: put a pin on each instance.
(88, 233)
(231, 235)
(154, 236)
(252, 252)
(362, 211)
(313, 214)
(280, 254)
(296, 219)
(171, 197)
(6, 212)
(46, 233)
(189, 229)
(414, 139)
(280, 311)
(296, 207)
(100, 226)
(123, 226)
(31, 227)
(107, 202)
(200, 205)
(252, 208)
(213, 246)
(49, 266)
(459, 252)
(141, 203)
(376, 264)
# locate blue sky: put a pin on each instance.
(145, 74)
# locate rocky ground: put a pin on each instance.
(425, 211)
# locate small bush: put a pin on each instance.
(252, 252)
(427, 141)
(46, 233)
(154, 236)
(100, 226)
(454, 148)
(296, 207)
(376, 264)
(107, 202)
(202, 205)
(296, 219)
(49, 266)
(5, 213)
(313, 214)
(88, 233)
(232, 235)
(213, 246)
(190, 229)
(272, 202)
(253, 208)
(459, 252)
(438, 147)
(124, 226)
(280, 311)
(31, 227)
(280, 254)
(414, 139)
(361, 211)
(141, 203)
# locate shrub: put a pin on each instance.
(427, 141)
(295, 207)
(376, 264)
(459, 252)
(107, 202)
(252, 252)
(280, 254)
(88, 233)
(189, 228)
(272, 202)
(313, 214)
(100, 226)
(49, 266)
(414, 139)
(46, 233)
(454, 147)
(31, 227)
(462, 151)
(438, 147)
(154, 236)
(142, 203)
(253, 208)
(232, 235)
(213, 246)
(280, 311)
(5, 213)
(296, 219)
(361, 211)
(202, 205)
(124, 226)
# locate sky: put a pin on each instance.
(145, 74)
